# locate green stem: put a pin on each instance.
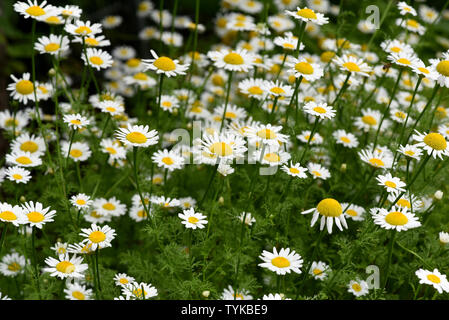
(390, 254)
(72, 136)
(228, 90)
(2, 239)
(315, 126)
(136, 177)
(36, 268)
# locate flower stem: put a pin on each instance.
(390, 254)
(228, 90)
(2, 239)
(136, 177)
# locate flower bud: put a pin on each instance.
(206, 293)
(343, 167)
(221, 200)
(438, 195)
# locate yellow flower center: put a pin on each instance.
(111, 150)
(24, 160)
(231, 115)
(352, 213)
(76, 153)
(141, 214)
(304, 68)
(10, 122)
(83, 30)
(138, 293)
(168, 160)
(233, 58)
(65, 267)
(443, 68)
(351, 66)
(136, 137)
(266, 134)
(96, 60)
(307, 13)
(97, 236)
(316, 173)
(78, 295)
(91, 42)
(8, 216)
(412, 23)
(404, 203)
(329, 207)
(424, 70)
(109, 206)
(17, 176)
(280, 262)
(433, 278)
(376, 162)
(317, 271)
(390, 184)
(327, 56)
(35, 11)
(75, 121)
(404, 61)
(193, 220)
(51, 47)
(356, 287)
(140, 76)
(409, 153)
(435, 141)
(277, 90)
(370, 120)
(255, 90)
(14, 267)
(29, 146)
(24, 87)
(294, 170)
(221, 148)
(396, 218)
(288, 46)
(345, 139)
(319, 109)
(272, 157)
(35, 216)
(165, 64)
(400, 115)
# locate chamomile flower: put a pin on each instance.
(412, 25)
(427, 13)
(411, 151)
(12, 214)
(249, 219)
(110, 22)
(138, 213)
(345, 138)
(225, 169)
(295, 170)
(137, 136)
(308, 15)
(349, 63)
(187, 202)
(319, 270)
(397, 218)
(443, 237)
(441, 69)
(305, 69)
(266, 134)
(305, 136)
(77, 291)
(122, 279)
(169, 160)
(233, 113)
(52, 45)
(164, 65)
(330, 210)
(230, 294)
(23, 159)
(66, 266)
(22, 89)
(79, 151)
(139, 291)
(12, 264)
(353, 211)
(396, 46)
(81, 201)
(433, 278)
(18, 174)
(82, 29)
(320, 110)
(406, 200)
(113, 149)
(225, 146)
(111, 107)
(32, 9)
(36, 214)
(376, 159)
(60, 248)
(282, 262)
(109, 207)
(165, 203)
(272, 156)
(405, 9)
(433, 143)
(277, 89)
(403, 59)
(253, 88)
(98, 237)
(97, 58)
(192, 219)
(76, 121)
(358, 287)
(390, 183)
(169, 103)
(239, 60)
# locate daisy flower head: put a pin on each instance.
(433, 278)
(305, 69)
(358, 287)
(295, 170)
(222, 147)
(225, 169)
(397, 218)
(32, 9)
(266, 134)
(18, 174)
(272, 156)
(112, 107)
(275, 296)
(318, 171)
(443, 237)
(192, 219)
(36, 214)
(81, 201)
(405, 200)
(441, 69)
(76, 121)
(427, 13)
(305, 136)
(52, 45)
(282, 262)
(138, 213)
(288, 42)
(113, 149)
(230, 294)
(396, 46)
(97, 58)
(79, 151)
(82, 29)
(253, 88)
(110, 22)
(165, 203)
(355, 66)
(412, 25)
(59, 248)
(71, 11)
(77, 291)
(23, 159)
(239, 60)
(353, 211)
(411, 151)
(308, 15)
(164, 65)
(22, 89)
(12, 214)
(433, 143)
(98, 237)
(233, 113)
(8, 120)
(122, 279)
(139, 291)
(111, 207)
(66, 266)
(277, 89)
(187, 202)
(168, 159)
(403, 59)
(330, 210)
(137, 136)
(390, 183)
(320, 110)
(345, 138)
(169, 103)
(405, 9)
(319, 270)
(376, 159)
(12, 264)
(249, 219)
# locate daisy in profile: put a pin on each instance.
(164, 65)
(358, 287)
(109, 207)
(433, 278)
(111, 107)
(252, 88)
(98, 237)
(22, 89)
(169, 160)
(60, 247)
(66, 266)
(18, 174)
(330, 210)
(239, 60)
(353, 65)
(82, 29)
(320, 110)
(272, 156)
(13, 264)
(137, 136)
(224, 146)
(266, 134)
(230, 294)
(32, 9)
(405, 9)
(52, 45)
(77, 291)
(81, 201)
(390, 183)
(79, 151)
(305, 69)
(433, 143)
(305, 136)
(295, 170)
(122, 279)
(275, 296)
(12, 214)
(347, 139)
(192, 219)
(97, 58)
(165, 203)
(76, 121)
(111, 22)
(169, 103)
(406, 200)
(319, 270)
(353, 211)
(411, 151)
(308, 15)
(397, 218)
(139, 291)
(249, 219)
(36, 214)
(376, 159)
(318, 171)
(113, 149)
(282, 262)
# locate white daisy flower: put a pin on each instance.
(79, 151)
(112, 107)
(305, 69)
(82, 29)
(376, 159)
(319, 270)
(164, 65)
(330, 210)
(304, 136)
(240, 294)
(76, 121)
(282, 262)
(225, 146)
(66, 266)
(318, 171)
(192, 219)
(349, 63)
(77, 291)
(397, 218)
(433, 278)
(81, 201)
(168, 159)
(60, 248)
(411, 151)
(249, 219)
(122, 279)
(295, 170)
(165, 203)
(23, 159)
(346, 139)
(18, 174)
(109, 207)
(433, 143)
(137, 136)
(407, 200)
(12, 214)
(113, 149)
(98, 237)
(139, 291)
(22, 89)
(32, 9)
(353, 211)
(321, 110)
(308, 15)
(97, 58)
(111, 22)
(239, 60)
(36, 214)
(405, 9)
(266, 134)
(13, 264)
(138, 213)
(358, 287)
(252, 88)
(390, 183)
